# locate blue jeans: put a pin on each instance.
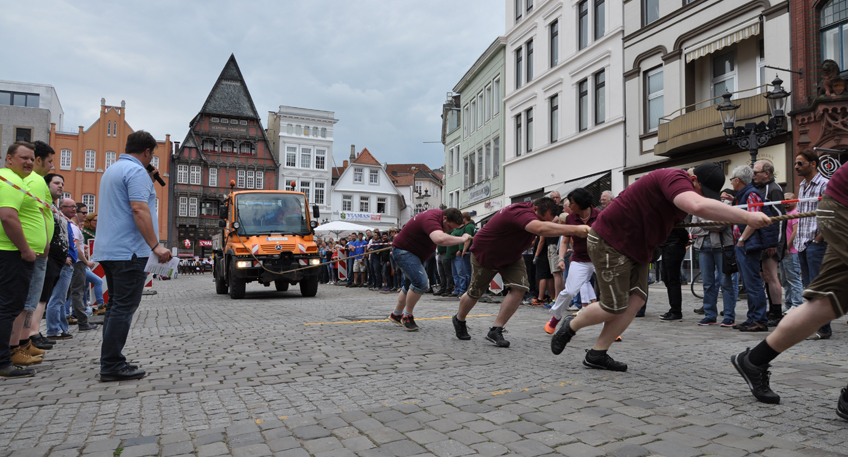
(791, 268)
(459, 277)
(466, 259)
(749, 266)
(711, 262)
(56, 311)
(35, 285)
(811, 260)
(414, 275)
(125, 279)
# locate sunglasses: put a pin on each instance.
(800, 164)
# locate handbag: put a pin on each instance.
(728, 260)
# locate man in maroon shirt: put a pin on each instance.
(498, 248)
(826, 298)
(416, 243)
(623, 238)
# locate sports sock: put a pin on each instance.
(762, 354)
(395, 313)
(406, 314)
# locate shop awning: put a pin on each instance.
(568, 186)
(723, 40)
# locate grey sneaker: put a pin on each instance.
(756, 377)
(495, 335)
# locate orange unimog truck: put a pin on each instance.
(263, 233)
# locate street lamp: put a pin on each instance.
(753, 135)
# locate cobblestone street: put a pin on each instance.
(277, 374)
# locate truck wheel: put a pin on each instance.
(309, 286)
(237, 286)
(220, 283)
(282, 285)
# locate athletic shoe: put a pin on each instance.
(819, 336)
(744, 324)
(39, 341)
(773, 320)
(548, 305)
(756, 377)
(640, 313)
(618, 339)
(460, 328)
(551, 325)
(396, 318)
(495, 335)
(842, 406)
(728, 323)
(668, 317)
(61, 336)
(755, 327)
(603, 362)
(14, 371)
(573, 308)
(537, 302)
(707, 321)
(700, 310)
(409, 323)
(562, 336)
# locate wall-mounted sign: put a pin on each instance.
(204, 243)
(228, 128)
(353, 217)
(479, 193)
(187, 243)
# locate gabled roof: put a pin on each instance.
(403, 180)
(403, 168)
(337, 171)
(229, 95)
(365, 158)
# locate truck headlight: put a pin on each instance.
(243, 264)
(315, 261)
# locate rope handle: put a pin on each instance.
(782, 218)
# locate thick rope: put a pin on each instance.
(785, 217)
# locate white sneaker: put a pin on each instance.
(573, 308)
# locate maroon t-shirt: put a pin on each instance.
(580, 253)
(415, 235)
(500, 242)
(837, 187)
(642, 216)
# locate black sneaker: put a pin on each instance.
(409, 323)
(460, 328)
(562, 336)
(41, 343)
(842, 406)
(396, 318)
(14, 371)
(604, 362)
(756, 377)
(668, 317)
(495, 335)
(774, 319)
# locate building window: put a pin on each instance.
(473, 116)
(260, 180)
(208, 145)
(227, 146)
(305, 130)
(357, 175)
(382, 205)
(305, 187)
(315, 132)
(529, 5)
(519, 63)
(554, 127)
(249, 181)
(651, 10)
(834, 25)
(465, 172)
(488, 173)
(373, 177)
(363, 204)
(306, 157)
(472, 169)
(246, 148)
(289, 185)
(528, 119)
(347, 202)
(518, 10)
(319, 193)
(583, 105)
(654, 98)
(155, 162)
(209, 208)
(465, 122)
(215, 120)
(240, 178)
(213, 177)
(110, 158)
(289, 129)
(480, 170)
(183, 212)
(600, 97)
(323, 132)
(23, 134)
(320, 159)
(157, 207)
(195, 174)
(291, 156)
(600, 19)
(554, 28)
(450, 162)
(761, 67)
(90, 160)
(496, 157)
(529, 48)
(583, 24)
(298, 129)
(65, 159)
(18, 99)
(518, 135)
(192, 207)
(66, 195)
(225, 121)
(456, 157)
(182, 174)
(496, 105)
(109, 128)
(724, 75)
(88, 200)
(419, 187)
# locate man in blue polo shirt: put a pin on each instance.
(127, 207)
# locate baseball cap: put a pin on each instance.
(711, 178)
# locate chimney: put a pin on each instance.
(344, 164)
(352, 153)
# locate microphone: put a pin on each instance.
(158, 178)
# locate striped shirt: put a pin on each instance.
(807, 227)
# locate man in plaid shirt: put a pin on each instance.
(809, 241)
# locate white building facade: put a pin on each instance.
(26, 112)
(564, 120)
(302, 140)
(364, 194)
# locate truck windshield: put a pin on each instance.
(265, 213)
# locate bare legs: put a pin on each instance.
(35, 322)
(614, 324)
(407, 301)
(801, 323)
(508, 306)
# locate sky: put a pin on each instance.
(384, 67)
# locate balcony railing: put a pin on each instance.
(683, 131)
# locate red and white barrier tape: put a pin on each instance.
(781, 202)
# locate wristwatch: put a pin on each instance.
(742, 239)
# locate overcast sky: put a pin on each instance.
(383, 66)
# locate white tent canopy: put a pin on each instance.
(341, 227)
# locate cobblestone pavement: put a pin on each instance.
(249, 378)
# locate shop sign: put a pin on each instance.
(351, 217)
(204, 243)
(479, 193)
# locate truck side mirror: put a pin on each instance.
(222, 211)
(315, 213)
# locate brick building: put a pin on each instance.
(225, 142)
(83, 156)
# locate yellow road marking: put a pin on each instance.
(386, 320)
